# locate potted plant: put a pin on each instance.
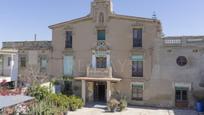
(123, 104)
(112, 105)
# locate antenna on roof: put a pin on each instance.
(35, 37)
(154, 16)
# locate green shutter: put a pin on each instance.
(181, 88)
(101, 35)
(68, 65)
(137, 58)
(140, 86)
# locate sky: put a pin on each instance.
(21, 19)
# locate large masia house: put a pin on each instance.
(111, 55)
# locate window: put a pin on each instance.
(68, 65)
(137, 92)
(1, 59)
(101, 35)
(43, 63)
(68, 41)
(9, 61)
(137, 37)
(101, 62)
(137, 66)
(181, 60)
(23, 61)
(181, 95)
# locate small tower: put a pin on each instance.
(154, 16)
(101, 10)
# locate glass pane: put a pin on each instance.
(184, 95)
(137, 68)
(9, 61)
(137, 37)
(101, 35)
(137, 92)
(44, 63)
(68, 41)
(178, 95)
(101, 62)
(23, 61)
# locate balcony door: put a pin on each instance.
(101, 62)
(68, 65)
(181, 97)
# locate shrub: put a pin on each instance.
(112, 105)
(75, 103)
(38, 92)
(123, 104)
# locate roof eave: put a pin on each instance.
(70, 21)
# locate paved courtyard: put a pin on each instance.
(101, 110)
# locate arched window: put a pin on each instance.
(101, 18)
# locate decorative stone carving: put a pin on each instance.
(68, 27)
(137, 24)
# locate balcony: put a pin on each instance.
(99, 72)
(183, 41)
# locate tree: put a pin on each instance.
(32, 75)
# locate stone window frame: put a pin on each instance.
(26, 60)
(42, 56)
(137, 76)
(138, 98)
(141, 40)
(137, 25)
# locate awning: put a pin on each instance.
(7, 101)
(98, 79)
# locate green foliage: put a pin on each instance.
(67, 78)
(123, 104)
(50, 104)
(44, 107)
(75, 103)
(38, 92)
(67, 89)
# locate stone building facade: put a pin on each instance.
(33, 57)
(112, 55)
